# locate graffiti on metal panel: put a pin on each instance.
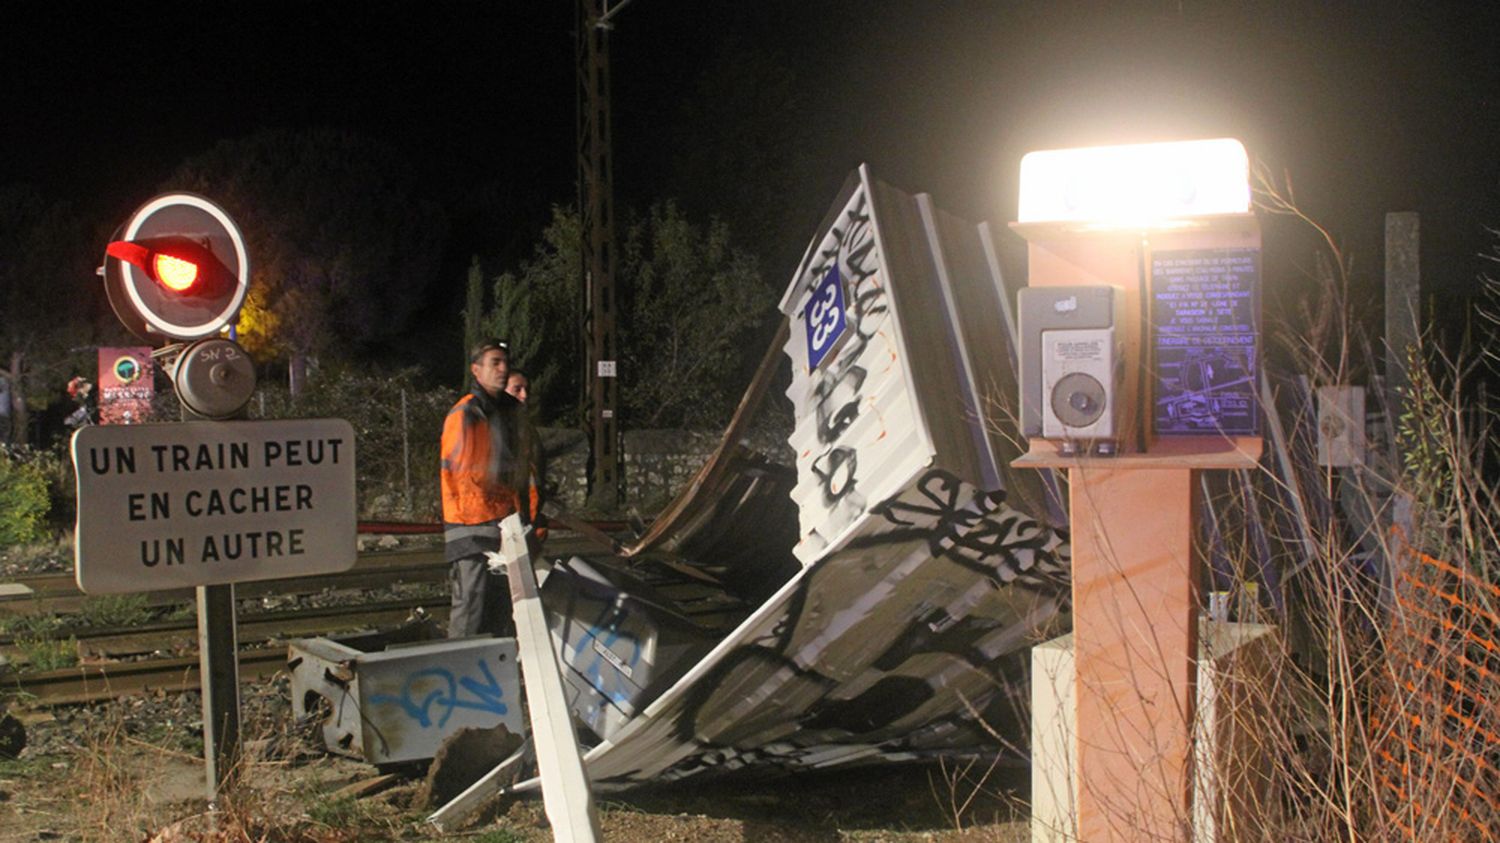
(838, 395)
(946, 652)
(908, 640)
(986, 535)
(600, 649)
(838, 392)
(420, 700)
(836, 470)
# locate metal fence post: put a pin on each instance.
(406, 450)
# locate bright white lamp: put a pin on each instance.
(1135, 186)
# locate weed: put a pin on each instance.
(44, 654)
(26, 767)
(115, 610)
(53, 552)
(118, 806)
(181, 612)
(37, 625)
(39, 639)
(336, 813)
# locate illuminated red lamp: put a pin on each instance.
(175, 273)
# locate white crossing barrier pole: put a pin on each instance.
(565, 786)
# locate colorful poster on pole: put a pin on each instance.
(126, 385)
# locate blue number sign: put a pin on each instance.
(825, 317)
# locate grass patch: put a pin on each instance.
(181, 612)
(336, 813)
(39, 625)
(46, 553)
(27, 767)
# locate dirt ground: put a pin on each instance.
(133, 771)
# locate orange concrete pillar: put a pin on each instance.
(1134, 619)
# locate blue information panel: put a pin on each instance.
(826, 321)
(1205, 307)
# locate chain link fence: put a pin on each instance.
(396, 428)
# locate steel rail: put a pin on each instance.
(181, 634)
(59, 594)
(99, 682)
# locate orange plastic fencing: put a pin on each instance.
(1438, 723)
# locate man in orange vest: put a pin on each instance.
(485, 476)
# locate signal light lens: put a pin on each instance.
(174, 273)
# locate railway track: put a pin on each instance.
(106, 681)
(58, 593)
(181, 634)
(160, 656)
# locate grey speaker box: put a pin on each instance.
(1070, 362)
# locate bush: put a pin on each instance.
(24, 499)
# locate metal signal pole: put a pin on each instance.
(597, 224)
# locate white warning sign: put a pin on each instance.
(164, 506)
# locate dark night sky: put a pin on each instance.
(1372, 107)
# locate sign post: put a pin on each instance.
(219, 674)
(1168, 228)
(200, 505)
(209, 504)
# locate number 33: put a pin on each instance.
(824, 316)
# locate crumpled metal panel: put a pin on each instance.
(735, 521)
(859, 437)
(616, 645)
(922, 581)
(882, 650)
(397, 705)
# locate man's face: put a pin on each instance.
(517, 386)
(490, 371)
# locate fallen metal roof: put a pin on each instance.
(904, 566)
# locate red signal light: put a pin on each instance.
(177, 274)
(177, 269)
(174, 273)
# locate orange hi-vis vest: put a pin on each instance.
(484, 472)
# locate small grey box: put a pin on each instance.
(1044, 309)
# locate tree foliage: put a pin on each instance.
(689, 302)
(692, 303)
(343, 246)
(23, 500)
(536, 310)
(515, 320)
(47, 289)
